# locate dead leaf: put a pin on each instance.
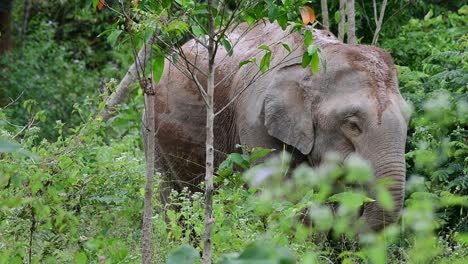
(308, 15)
(100, 5)
(135, 3)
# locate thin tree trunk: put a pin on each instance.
(26, 10)
(378, 24)
(325, 21)
(341, 24)
(351, 22)
(150, 145)
(6, 43)
(209, 220)
(125, 85)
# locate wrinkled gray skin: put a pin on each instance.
(353, 106)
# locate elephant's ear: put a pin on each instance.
(288, 115)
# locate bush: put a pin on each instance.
(74, 200)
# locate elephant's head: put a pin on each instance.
(354, 106)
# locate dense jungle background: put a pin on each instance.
(72, 185)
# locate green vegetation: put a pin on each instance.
(71, 187)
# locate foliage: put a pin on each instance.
(434, 82)
(57, 66)
(77, 197)
(74, 199)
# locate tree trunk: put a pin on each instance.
(125, 85)
(351, 22)
(150, 127)
(325, 21)
(341, 24)
(26, 11)
(5, 26)
(378, 24)
(209, 220)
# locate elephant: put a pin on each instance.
(352, 105)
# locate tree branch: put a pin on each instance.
(351, 21)
(379, 23)
(325, 20)
(341, 24)
(124, 87)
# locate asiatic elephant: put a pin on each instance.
(352, 105)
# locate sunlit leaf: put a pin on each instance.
(350, 199)
(112, 38)
(307, 38)
(429, 15)
(158, 68)
(286, 46)
(81, 258)
(337, 17)
(307, 15)
(258, 153)
(315, 63)
(247, 61)
(239, 160)
(312, 49)
(264, 47)
(306, 60)
(265, 62)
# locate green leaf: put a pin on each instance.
(158, 68)
(247, 61)
(384, 198)
(429, 15)
(264, 47)
(337, 17)
(112, 38)
(315, 63)
(197, 31)
(306, 60)
(239, 160)
(307, 38)
(226, 168)
(184, 3)
(261, 252)
(81, 258)
(166, 3)
(185, 254)
(286, 46)
(350, 199)
(462, 238)
(8, 147)
(258, 153)
(227, 45)
(312, 49)
(272, 13)
(265, 62)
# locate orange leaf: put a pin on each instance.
(308, 15)
(135, 3)
(101, 4)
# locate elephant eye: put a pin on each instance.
(351, 126)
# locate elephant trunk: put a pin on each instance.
(389, 164)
